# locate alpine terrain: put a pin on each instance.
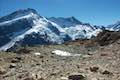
(33, 47)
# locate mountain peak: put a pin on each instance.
(28, 10)
(65, 22)
(73, 19)
(17, 14)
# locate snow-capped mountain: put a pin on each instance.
(27, 27)
(76, 29)
(114, 27)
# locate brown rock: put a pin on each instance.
(107, 72)
(18, 58)
(94, 69)
(104, 54)
(15, 61)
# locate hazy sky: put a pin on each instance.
(99, 12)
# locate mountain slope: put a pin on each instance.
(27, 27)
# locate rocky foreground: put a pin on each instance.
(94, 62)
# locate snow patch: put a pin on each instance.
(64, 53)
(37, 54)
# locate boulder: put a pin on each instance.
(94, 69)
(76, 77)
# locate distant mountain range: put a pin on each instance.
(27, 27)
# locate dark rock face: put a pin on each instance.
(34, 39)
(14, 27)
(53, 29)
(7, 31)
(107, 37)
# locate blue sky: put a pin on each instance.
(99, 12)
